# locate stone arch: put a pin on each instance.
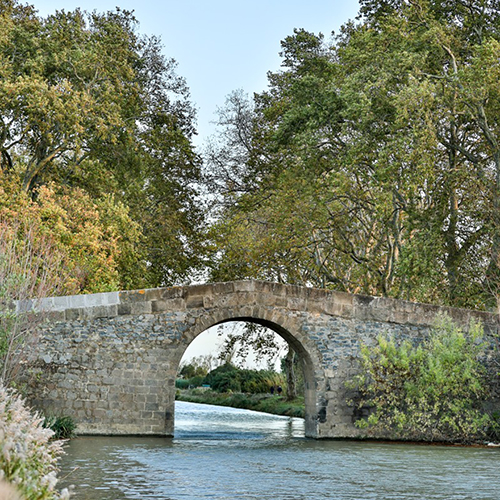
(282, 324)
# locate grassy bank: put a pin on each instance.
(266, 403)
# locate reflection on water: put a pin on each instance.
(226, 454)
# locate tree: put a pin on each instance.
(198, 366)
(227, 153)
(88, 103)
(229, 378)
(246, 337)
(265, 344)
(374, 159)
(96, 240)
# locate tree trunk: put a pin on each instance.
(291, 390)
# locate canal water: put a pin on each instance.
(223, 453)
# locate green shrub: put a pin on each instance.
(181, 383)
(62, 427)
(238, 400)
(226, 382)
(28, 456)
(432, 392)
(196, 381)
(227, 378)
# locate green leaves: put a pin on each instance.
(433, 392)
(89, 104)
(374, 162)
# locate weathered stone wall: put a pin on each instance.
(110, 360)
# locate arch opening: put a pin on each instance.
(288, 338)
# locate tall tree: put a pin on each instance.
(87, 102)
(375, 159)
(265, 345)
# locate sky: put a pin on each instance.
(220, 46)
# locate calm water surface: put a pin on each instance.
(224, 453)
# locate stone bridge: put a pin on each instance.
(110, 360)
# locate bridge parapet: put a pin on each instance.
(293, 298)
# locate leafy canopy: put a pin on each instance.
(88, 104)
(371, 164)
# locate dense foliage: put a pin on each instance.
(433, 392)
(63, 427)
(372, 162)
(230, 378)
(95, 146)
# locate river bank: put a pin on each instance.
(266, 403)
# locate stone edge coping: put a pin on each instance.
(292, 297)
(59, 304)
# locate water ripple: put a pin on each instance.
(227, 454)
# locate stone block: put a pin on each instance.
(347, 311)
(315, 307)
(124, 309)
(137, 308)
(54, 316)
(61, 303)
(378, 314)
(175, 305)
(278, 301)
(362, 312)
(100, 312)
(228, 288)
(80, 301)
(174, 292)
(197, 290)
(398, 316)
(195, 301)
(151, 294)
(132, 296)
(73, 314)
(294, 291)
(158, 306)
(333, 308)
(272, 288)
(45, 304)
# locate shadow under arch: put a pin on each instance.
(300, 343)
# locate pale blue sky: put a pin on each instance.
(221, 45)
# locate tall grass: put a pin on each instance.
(28, 455)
